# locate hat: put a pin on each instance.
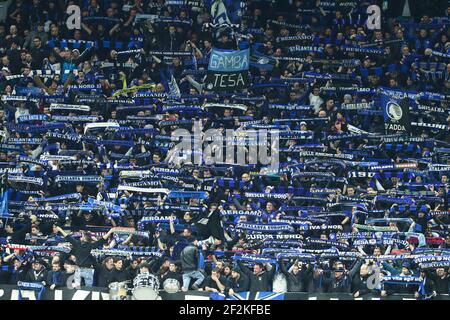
(303, 123)
(406, 265)
(76, 50)
(347, 96)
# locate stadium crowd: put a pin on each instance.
(92, 190)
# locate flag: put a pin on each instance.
(260, 61)
(247, 295)
(4, 204)
(228, 70)
(395, 105)
(211, 225)
(169, 82)
(225, 11)
(267, 295)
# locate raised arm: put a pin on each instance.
(244, 269)
(108, 234)
(86, 28)
(171, 226)
(57, 56)
(355, 267)
(114, 29)
(282, 267)
(270, 270)
(85, 55)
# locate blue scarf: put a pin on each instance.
(264, 228)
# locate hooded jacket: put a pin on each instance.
(189, 258)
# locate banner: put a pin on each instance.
(395, 111)
(228, 70)
(202, 295)
(224, 12)
(11, 292)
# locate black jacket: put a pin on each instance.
(335, 285)
(18, 275)
(427, 288)
(258, 282)
(82, 251)
(210, 283)
(105, 277)
(343, 284)
(298, 282)
(131, 273)
(442, 285)
(172, 42)
(4, 274)
(18, 236)
(189, 258)
(119, 275)
(359, 283)
(238, 285)
(38, 56)
(36, 276)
